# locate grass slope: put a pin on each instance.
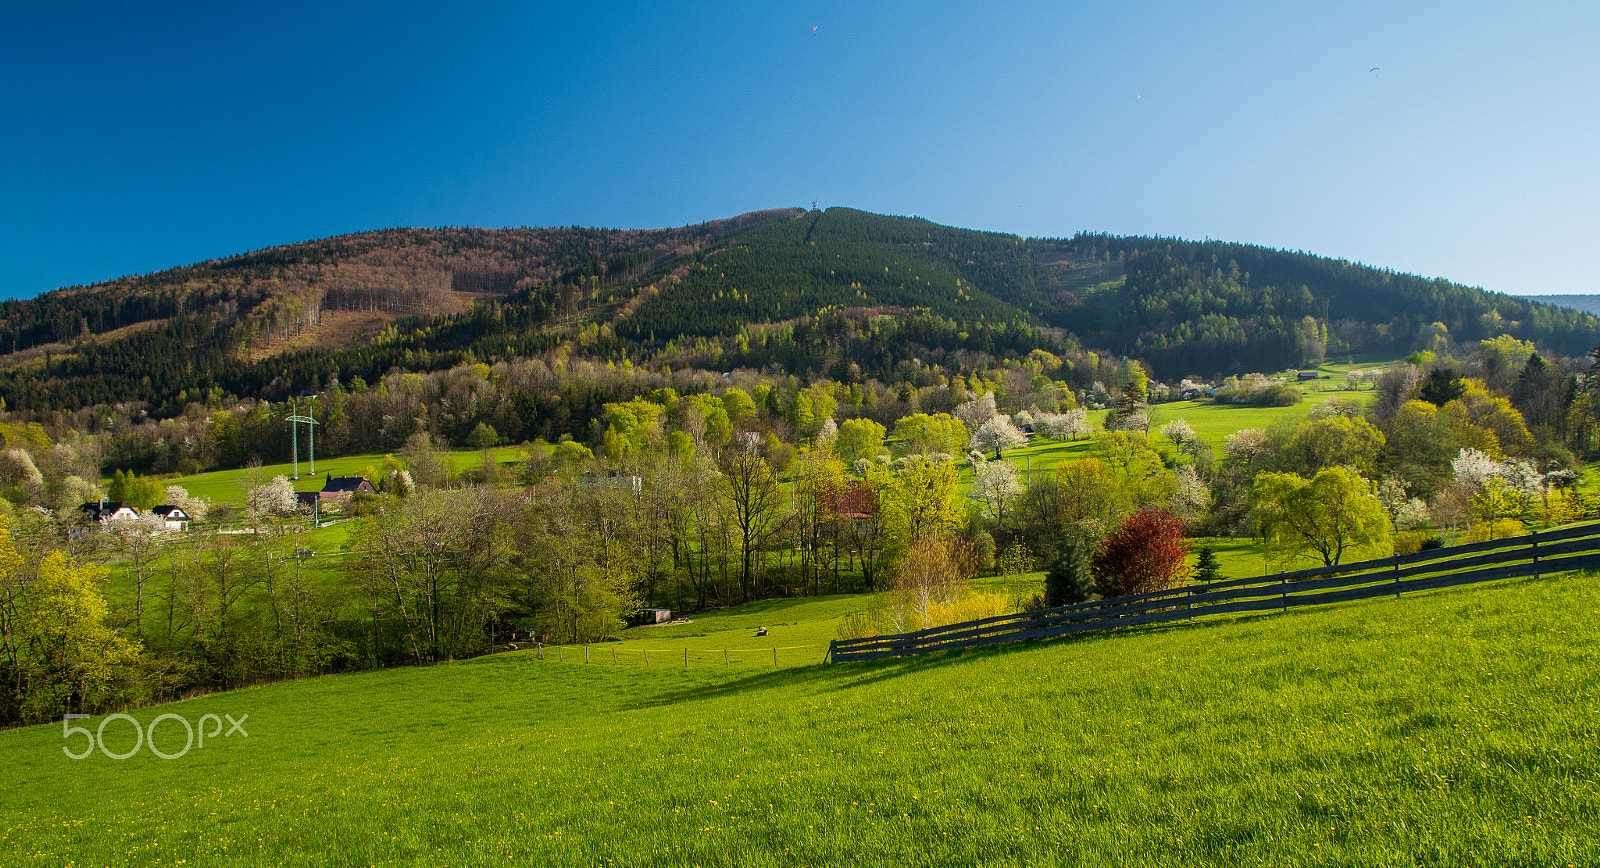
(1456, 727)
(222, 486)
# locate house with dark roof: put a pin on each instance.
(103, 511)
(336, 493)
(173, 516)
(345, 486)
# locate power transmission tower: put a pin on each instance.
(295, 420)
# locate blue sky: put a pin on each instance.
(138, 139)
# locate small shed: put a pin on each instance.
(655, 616)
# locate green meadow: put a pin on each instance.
(1212, 421)
(222, 486)
(1457, 727)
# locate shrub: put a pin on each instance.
(1415, 541)
(1500, 529)
(1146, 552)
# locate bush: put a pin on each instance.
(1146, 552)
(1484, 531)
(856, 626)
(1415, 541)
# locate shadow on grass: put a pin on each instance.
(831, 677)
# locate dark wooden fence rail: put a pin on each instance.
(1572, 548)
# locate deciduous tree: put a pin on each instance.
(1146, 552)
(1329, 515)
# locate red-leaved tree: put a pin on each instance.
(1146, 552)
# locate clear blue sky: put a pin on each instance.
(138, 139)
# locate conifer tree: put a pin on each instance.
(1069, 579)
(1207, 568)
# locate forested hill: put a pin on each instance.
(840, 293)
(1585, 303)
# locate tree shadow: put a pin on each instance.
(836, 677)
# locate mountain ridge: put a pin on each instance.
(837, 292)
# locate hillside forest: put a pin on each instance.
(785, 404)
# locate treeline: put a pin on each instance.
(1232, 298)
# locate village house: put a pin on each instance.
(103, 511)
(172, 516)
(336, 492)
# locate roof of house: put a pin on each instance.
(166, 510)
(346, 483)
(95, 509)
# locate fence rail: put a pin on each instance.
(1572, 548)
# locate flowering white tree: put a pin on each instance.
(1138, 420)
(997, 434)
(274, 497)
(1407, 512)
(1062, 426)
(1191, 497)
(828, 434)
(996, 484)
(977, 411)
(194, 507)
(1178, 431)
(1245, 443)
(1475, 469)
(17, 468)
(1335, 406)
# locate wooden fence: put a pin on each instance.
(1572, 548)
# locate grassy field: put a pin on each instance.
(1213, 422)
(1451, 728)
(222, 486)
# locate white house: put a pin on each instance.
(109, 510)
(172, 516)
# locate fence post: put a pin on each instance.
(724, 657)
(539, 650)
(686, 658)
(774, 655)
(1283, 585)
(1536, 555)
(646, 656)
(561, 654)
(613, 655)
(1397, 577)
(586, 653)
